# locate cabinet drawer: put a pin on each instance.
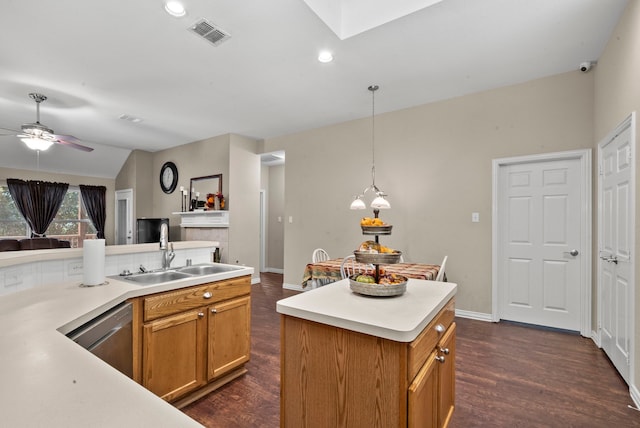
(424, 344)
(164, 304)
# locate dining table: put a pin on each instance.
(328, 271)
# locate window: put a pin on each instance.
(71, 222)
(12, 225)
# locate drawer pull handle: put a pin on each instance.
(440, 359)
(214, 311)
(200, 314)
(440, 328)
(445, 351)
(207, 295)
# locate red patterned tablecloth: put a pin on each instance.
(329, 271)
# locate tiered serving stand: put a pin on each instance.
(376, 260)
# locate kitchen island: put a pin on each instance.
(48, 380)
(355, 361)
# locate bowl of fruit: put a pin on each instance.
(374, 226)
(371, 252)
(388, 284)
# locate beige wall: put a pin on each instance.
(434, 161)
(230, 155)
(135, 175)
(198, 159)
(74, 180)
(275, 229)
(617, 94)
(244, 203)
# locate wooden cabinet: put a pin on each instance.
(334, 377)
(432, 392)
(229, 348)
(172, 358)
(192, 339)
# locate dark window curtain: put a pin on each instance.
(94, 200)
(37, 201)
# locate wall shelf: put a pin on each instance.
(211, 218)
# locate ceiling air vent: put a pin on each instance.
(209, 32)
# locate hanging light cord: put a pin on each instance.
(373, 89)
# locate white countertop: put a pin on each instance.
(398, 318)
(49, 381)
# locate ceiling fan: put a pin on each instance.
(39, 137)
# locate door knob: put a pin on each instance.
(573, 252)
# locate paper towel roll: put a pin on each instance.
(93, 262)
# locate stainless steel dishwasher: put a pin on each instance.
(109, 337)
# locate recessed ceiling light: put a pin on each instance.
(175, 8)
(325, 56)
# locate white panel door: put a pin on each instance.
(539, 262)
(615, 264)
(124, 217)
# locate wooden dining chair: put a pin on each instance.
(319, 255)
(348, 266)
(440, 276)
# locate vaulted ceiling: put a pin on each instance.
(100, 61)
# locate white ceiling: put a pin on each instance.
(97, 60)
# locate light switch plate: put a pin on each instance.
(475, 217)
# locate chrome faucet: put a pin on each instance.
(167, 255)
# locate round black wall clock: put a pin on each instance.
(168, 177)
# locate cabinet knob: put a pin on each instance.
(440, 328)
(214, 311)
(200, 314)
(207, 295)
(445, 351)
(440, 358)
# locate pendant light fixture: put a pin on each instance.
(379, 202)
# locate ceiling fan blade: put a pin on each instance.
(8, 131)
(71, 141)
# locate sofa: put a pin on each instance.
(32, 244)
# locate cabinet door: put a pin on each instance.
(446, 376)
(229, 336)
(173, 354)
(423, 395)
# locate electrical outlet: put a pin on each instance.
(12, 277)
(475, 217)
(74, 268)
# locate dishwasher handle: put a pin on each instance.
(104, 338)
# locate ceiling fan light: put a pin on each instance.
(380, 203)
(37, 143)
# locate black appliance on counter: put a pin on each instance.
(149, 229)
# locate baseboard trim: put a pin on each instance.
(296, 287)
(255, 280)
(635, 395)
(274, 270)
(595, 337)
(480, 316)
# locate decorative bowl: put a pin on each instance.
(377, 290)
(376, 230)
(377, 258)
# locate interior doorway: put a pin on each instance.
(616, 226)
(272, 212)
(124, 217)
(542, 240)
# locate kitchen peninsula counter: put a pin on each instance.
(349, 360)
(48, 380)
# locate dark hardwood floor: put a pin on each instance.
(508, 375)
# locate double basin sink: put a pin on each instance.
(174, 274)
